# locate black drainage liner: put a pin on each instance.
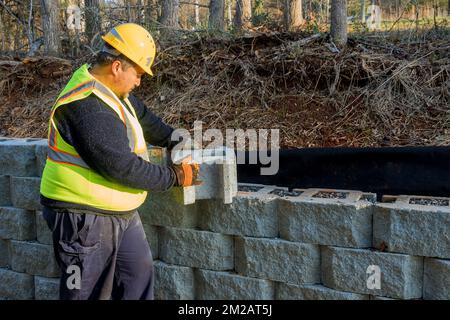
(384, 171)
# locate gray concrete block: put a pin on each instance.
(198, 249)
(43, 232)
(17, 224)
(166, 209)
(401, 276)
(25, 193)
(173, 282)
(251, 214)
(326, 221)
(151, 233)
(5, 191)
(15, 285)
(412, 229)
(41, 151)
(17, 158)
(46, 288)
(213, 285)
(4, 253)
(436, 284)
(33, 258)
(218, 172)
(278, 260)
(286, 291)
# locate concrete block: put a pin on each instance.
(213, 285)
(33, 258)
(340, 222)
(4, 253)
(198, 249)
(218, 172)
(41, 151)
(314, 292)
(412, 229)
(17, 224)
(25, 193)
(15, 285)
(166, 209)
(278, 260)
(43, 232)
(17, 158)
(436, 284)
(46, 288)
(251, 214)
(173, 282)
(151, 233)
(355, 270)
(5, 191)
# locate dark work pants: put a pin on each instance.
(101, 257)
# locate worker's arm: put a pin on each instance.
(156, 132)
(100, 138)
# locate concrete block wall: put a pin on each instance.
(28, 269)
(270, 243)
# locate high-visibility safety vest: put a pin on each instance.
(66, 177)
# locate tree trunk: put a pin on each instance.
(169, 13)
(2, 33)
(50, 26)
(216, 15)
(197, 14)
(338, 27)
(151, 12)
(93, 19)
(229, 14)
(363, 11)
(243, 17)
(293, 16)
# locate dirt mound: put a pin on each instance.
(375, 92)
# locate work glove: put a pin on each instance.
(187, 173)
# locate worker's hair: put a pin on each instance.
(105, 57)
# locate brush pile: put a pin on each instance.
(375, 92)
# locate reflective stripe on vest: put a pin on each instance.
(62, 156)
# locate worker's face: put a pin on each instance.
(126, 78)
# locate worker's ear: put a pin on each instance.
(116, 67)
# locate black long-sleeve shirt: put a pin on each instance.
(100, 138)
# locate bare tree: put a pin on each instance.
(363, 11)
(338, 26)
(216, 15)
(229, 14)
(50, 26)
(2, 32)
(170, 13)
(93, 18)
(293, 15)
(243, 17)
(151, 11)
(197, 13)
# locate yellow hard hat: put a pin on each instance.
(135, 43)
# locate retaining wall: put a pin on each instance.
(268, 244)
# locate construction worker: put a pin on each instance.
(97, 172)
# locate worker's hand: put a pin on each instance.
(187, 173)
